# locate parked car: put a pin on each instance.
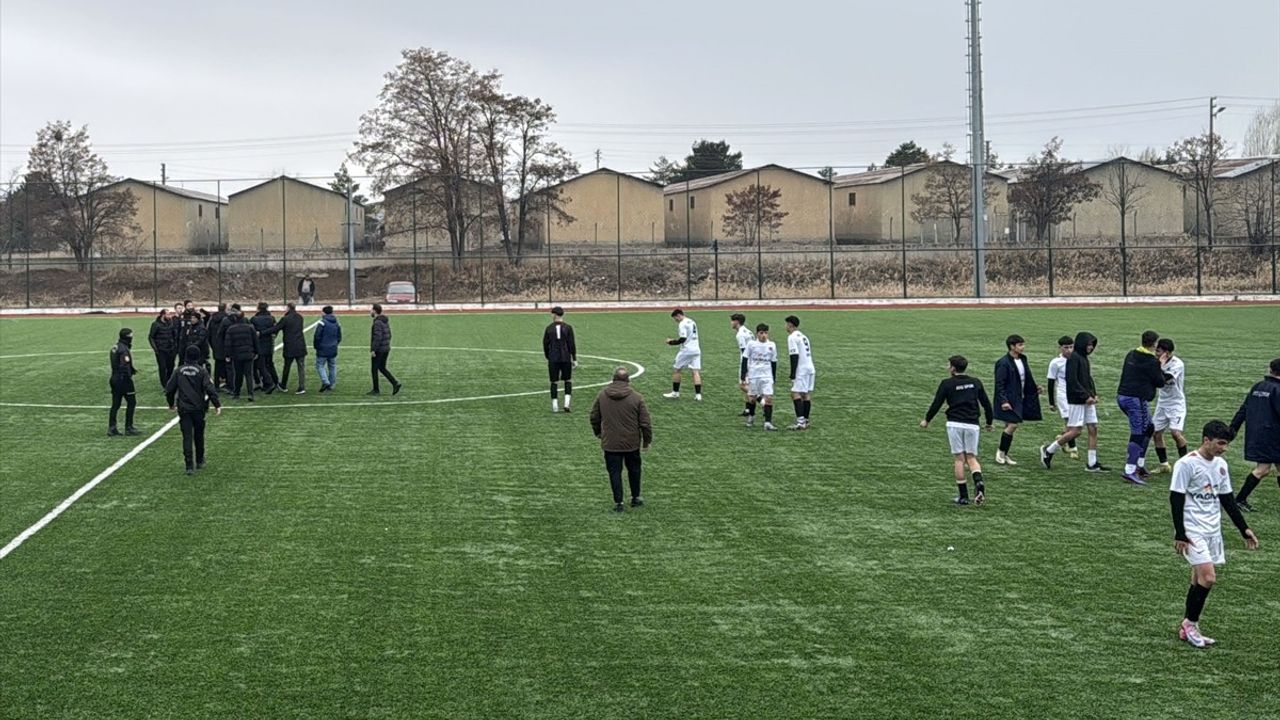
(401, 292)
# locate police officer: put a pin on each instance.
(122, 372)
(189, 392)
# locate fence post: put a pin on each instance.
(415, 249)
(351, 250)
(902, 186)
(91, 278)
(618, 188)
(831, 237)
(1199, 275)
(550, 294)
(1124, 269)
(1050, 246)
(284, 242)
(482, 274)
(155, 251)
(218, 242)
(26, 237)
(433, 281)
(715, 257)
(759, 244)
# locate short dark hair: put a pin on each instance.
(1218, 430)
(557, 311)
(1165, 344)
(739, 317)
(235, 306)
(1066, 340)
(377, 307)
(677, 312)
(1275, 366)
(793, 320)
(222, 307)
(262, 307)
(1149, 337)
(762, 326)
(327, 309)
(622, 374)
(291, 306)
(958, 362)
(1013, 340)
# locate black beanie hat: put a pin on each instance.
(125, 333)
(193, 354)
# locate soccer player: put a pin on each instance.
(1261, 412)
(688, 356)
(1171, 405)
(963, 395)
(1082, 405)
(1017, 394)
(1057, 378)
(802, 372)
(189, 392)
(738, 322)
(1199, 492)
(1140, 378)
(561, 352)
(758, 373)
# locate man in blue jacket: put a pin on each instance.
(1260, 414)
(328, 336)
(1017, 397)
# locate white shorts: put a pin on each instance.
(963, 437)
(760, 387)
(803, 382)
(687, 359)
(1064, 409)
(1205, 549)
(1170, 418)
(1081, 415)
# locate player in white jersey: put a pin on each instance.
(1199, 492)
(738, 322)
(688, 356)
(802, 372)
(1057, 378)
(758, 373)
(1171, 404)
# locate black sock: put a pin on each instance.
(748, 406)
(977, 480)
(799, 407)
(1182, 450)
(1005, 441)
(1162, 454)
(963, 488)
(675, 386)
(1250, 482)
(808, 406)
(1071, 444)
(1197, 594)
(751, 409)
(697, 389)
(553, 387)
(768, 413)
(568, 387)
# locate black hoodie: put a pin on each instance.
(1080, 385)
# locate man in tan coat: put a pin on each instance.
(621, 421)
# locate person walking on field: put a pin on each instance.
(122, 372)
(379, 349)
(326, 339)
(1017, 396)
(621, 420)
(189, 392)
(1260, 416)
(295, 347)
(561, 351)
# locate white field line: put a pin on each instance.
(62, 506)
(53, 354)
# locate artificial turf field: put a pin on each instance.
(428, 555)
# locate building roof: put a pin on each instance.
(886, 174)
(180, 192)
(607, 171)
(307, 185)
(412, 183)
(1239, 167)
(1015, 173)
(685, 186)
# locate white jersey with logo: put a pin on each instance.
(760, 359)
(798, 344)
(1172, 395)
(1202, 481)
(1058, 374)
(744, 337)
(689, 331)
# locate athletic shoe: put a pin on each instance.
(112, 432)
(1096, 468)
(200, 466)
(744, 413)
(1182, 635)
(619, 508)
(250, 398)
(300, 391)
(1190, 632)
(566, 409)
(1245, 506)
(1133, 478)
(395, 389)
(1162, 468)
(979, 495)
(1143, 472)
(751, 420)
(673, 395)
(1046, 457)
(1073, 453)
(962, 501)
(134, 431)
(797, 425)
(770, 426)
(191, 471)
(1003, 459)
(698, 397)
(374, 392)
(637, 501)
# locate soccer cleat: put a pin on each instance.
(1162, 468)
(770, 426)
(1245, 506)
(1046, 457)
(300, 391)
(395, 389)
(979, 495)
(131, 430)
(698, 397)
(1073, 453)
(1097, 468)
(673, 395)
(112, 432)
(962, 501)
(751, 421)
(637, 501)
(619, 508)
(1190, 632)
(1143, 472)
(566, 409)
(1133, 478)
(1004, 459)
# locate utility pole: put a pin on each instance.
(598, 158)
(164, 178)
(977, 154)
(1214, 109)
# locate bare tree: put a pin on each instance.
(1251, 200)
(1263, 135)
(1124, 191)
(946, 193)
(77, 206)
(1196, 158)
(1049, 188)
(537, 166)
(751, 211)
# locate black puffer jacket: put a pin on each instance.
(380, 335)
(194, 335)
(161, 336)
(263, 323)
(240, 342)
(294, 339)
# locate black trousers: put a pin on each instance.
(613, 462)
(379, 365)
(241, 374)
(164, 364)
(122, 391)
(264, 370)
(221, 370)
(302, 373)
(192, 424)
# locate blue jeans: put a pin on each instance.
(327, 369)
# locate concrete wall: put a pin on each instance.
(805, 200)
(288, 213)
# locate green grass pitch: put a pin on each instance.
(371, 558)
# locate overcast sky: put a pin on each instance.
(247, 89)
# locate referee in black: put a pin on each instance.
(122, 372)
(562, 356)
(189, 392)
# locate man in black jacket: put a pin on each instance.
(240, 343)
(963, 396)
(379, 349)
(163, 344)
(194, 334)
(1082, 404)
(213, 324)
(1017, 394)
(264, 370)
(295, 346)
(1260, 414)
(1140, 378)
(561, 352)
(189, 392)
(122, 372)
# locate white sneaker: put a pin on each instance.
(698, 397)
(769, 426)
(1191, 633)
(751, 421)
(671, 395)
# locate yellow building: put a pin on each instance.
(413, 213)
(1153, 209)
(878, 205)
(174, 219)
(284, 213)
(697, 211)
(1243, 189)
(605, 207)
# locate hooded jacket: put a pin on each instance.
(1021, 393)
(327, 337)
(1141, 375)
(194, 335)
(122, 370)
(240, 342)
(380, 335)
(1260, 414)
(620, 418)
(295, 343)
(263, 323)
(1080, 385)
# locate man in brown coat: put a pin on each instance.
(621, 421)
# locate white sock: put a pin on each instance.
(555, 405)
(1093, 457)
(1142, 461)
(566, 400)
(1130, 469)
(1053, 447)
